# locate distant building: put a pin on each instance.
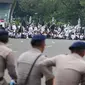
(6, 10)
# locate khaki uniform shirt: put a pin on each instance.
(70, 69)
(25, 62)
(9, 62)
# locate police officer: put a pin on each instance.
(70, 69)
(6, 58)
(26, 60)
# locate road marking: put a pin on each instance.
(22, 41)
(49, 46)
(53, 42)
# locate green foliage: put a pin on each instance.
(17, 22)
(43, 10)
(82, 2)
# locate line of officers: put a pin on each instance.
(70, 68)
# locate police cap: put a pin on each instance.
(39, 37)
(3, 32)
(77, 45)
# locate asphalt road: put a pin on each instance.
(53, 47)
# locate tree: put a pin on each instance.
(43, 10)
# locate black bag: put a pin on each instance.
(28, 76)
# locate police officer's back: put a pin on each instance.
(6, 58)
(26, 60)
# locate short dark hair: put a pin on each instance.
(76, 50)
(36, 43)
(4, 38)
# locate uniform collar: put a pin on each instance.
(2, 43)
(77, 55)
(36, 50)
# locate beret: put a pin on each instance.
(39, 37)
(3, 32)
(77, 45)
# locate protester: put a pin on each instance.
(55, 32)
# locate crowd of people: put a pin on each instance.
(50, 31)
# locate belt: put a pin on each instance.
(1, 78)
